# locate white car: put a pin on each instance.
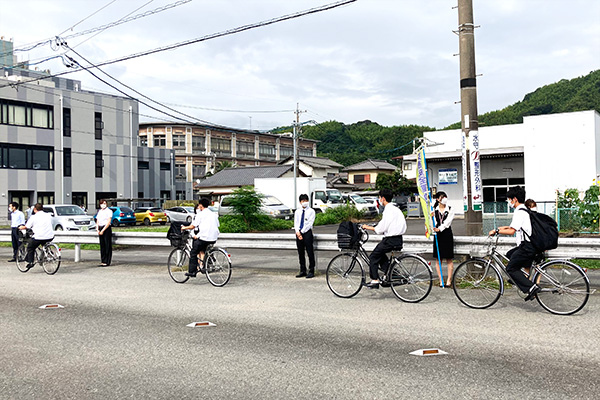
(181, 214)
(69, 217)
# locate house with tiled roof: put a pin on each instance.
(364, 174)
(316, 167)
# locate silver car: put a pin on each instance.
(271, 206)
(180, 214)
(69, 217)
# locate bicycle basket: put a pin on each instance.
(345, 241)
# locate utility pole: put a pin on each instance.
(295, 134)
(469, 120)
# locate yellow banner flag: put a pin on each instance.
(423, 186)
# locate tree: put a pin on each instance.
(396, 182)
(247, 203)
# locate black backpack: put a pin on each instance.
(175, 235)
(544, 231)
(348, 235)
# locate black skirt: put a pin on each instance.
(445, 240)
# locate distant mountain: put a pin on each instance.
(578, 94)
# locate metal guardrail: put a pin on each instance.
(463, 245)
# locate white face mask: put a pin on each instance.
(304, 204)
(103, 206)
(510, 204)
(444, 201)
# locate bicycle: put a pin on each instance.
(47, 255)
(478, 283)
(409, 275)
(217, 263)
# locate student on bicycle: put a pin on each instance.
(41, 225)
(392, 226)
(206, 232)
(523, 255)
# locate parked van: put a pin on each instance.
(69, 217)
(271, 206)
(368, 209)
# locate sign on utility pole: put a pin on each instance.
(472, 191)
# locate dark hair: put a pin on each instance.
(530, 203)
(102, 201)
(386, 194)
(38, 206)
(438, 197)
(303, 197)
(14, 204)
(205, 202)
(517, 192)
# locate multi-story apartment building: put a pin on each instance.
(61, 144)
(200, 148)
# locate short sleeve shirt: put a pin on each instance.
(521, 223)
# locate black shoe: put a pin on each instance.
(12, 260)
(190, 274)
(29, 266)
(535, 289)
(372, 285)
(301, 275)
(203, 270)
(310, 275)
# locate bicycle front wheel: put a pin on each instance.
(345, 275)
(51, 259)
(411, 278)
(477, 283)
(178, 265)
(21, 253)
(565, 287)
(218, 267)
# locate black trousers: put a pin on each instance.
(197, 247)
(306, 246)
(106, 245)
(379, 259)
(33, 244)
(14, 235)
(521, 257)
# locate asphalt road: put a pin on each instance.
(123, 334)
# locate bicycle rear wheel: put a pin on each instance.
(345, 275)
(477, 283)
(411, 278)
(565, 287)
(218, 267)
(21, 253)
(177, 265)
(51, 258)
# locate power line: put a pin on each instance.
(213, 36)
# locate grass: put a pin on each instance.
(584, 263)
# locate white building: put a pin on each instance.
(545, 153)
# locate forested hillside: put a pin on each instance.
(578, 94)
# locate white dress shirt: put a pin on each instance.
(207, 224)
(448, 221)
(392, 222)
(104, 217)
(309, 219)
(41, 224)
(17, 218)
(521, 223)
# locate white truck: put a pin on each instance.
(320, 198)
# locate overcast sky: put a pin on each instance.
(389, 61)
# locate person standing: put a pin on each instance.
(206, 232)
(17, 218)
(40, 223)
(103, 227)
(392, 226)
(444, 240)
(304, 218)
(523, 255)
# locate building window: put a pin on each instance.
(407, 166)
(165, 194)
(221, 147)
(67, 162)
(98, 125)
(266, 151)
(180, 174)
(285, 151)
(244, 149)
(165, 166)
(79, 198)
(66, 122)
(16, 156)
(144, 141)
(45, 197)
(143, 164)
(198, 143)
(305, 152)
(26, 114)
(179, 142)
(160, 141)
(198, 171)
(362, 178)
(99, 163)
